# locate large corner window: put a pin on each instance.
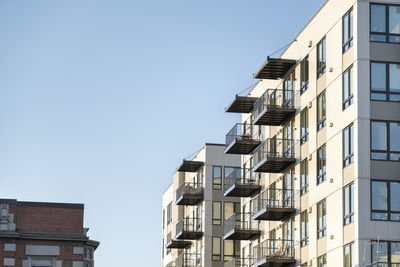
(385, 142)
(348, 200)
(385, 81)
(304, 228)
(385, 252)
(348, 88)
(304, 75)
(321, 164)
(304, 177)
(321, 58)
(304, 126)
(321, 111)
(348, 145)
(385, 200)
(385, 23)
(217, 177)
(348, 30)
(321, 219)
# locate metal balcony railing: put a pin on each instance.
(240, 226)
(241, 183)
(190, 193)
(274, 107)
(188, 260)
(242, 139)
(239, 262)
(274, 155)
(273, 204)
(274, 251)
(189, 228)
(384, 264)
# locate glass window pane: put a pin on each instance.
(394, 136)
(351, 24)
(380, 252)
(217, 177)
(346, 201)
(379, 135)
(346, 144)
(395, 251)
(394, 74)
(395, 196)
(216, 248)
(347, 256)
(378, 18)
(379, 195)
(346, 88)
(346, 28)
(228, 209)
(378, 76)
(216, 212)
(394, 19)
(379, 97)
(228, 250)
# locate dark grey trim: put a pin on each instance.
(50, 205)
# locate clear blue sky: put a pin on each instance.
(100, 101)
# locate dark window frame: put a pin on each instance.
(217, 221)
(304, 236)
(321, 229)
(387, 92)
(321, 65)
(348, 218)
(321, 173)
(304, 185)
(349, 158)
(350, 99)
(304, 74)
(349, 43)
(388, 151)
(215, 256)
(321, 123)
(388, 202)
(386, 34)
(217, 186)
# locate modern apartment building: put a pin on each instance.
(194, 208)
(42, 234)
(320, 133)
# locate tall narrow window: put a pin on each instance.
(304, 228)
(216, 248)
(385, 81)
(321, 164)
(304, 126)
(385, 144)
(348, 195)
(304, 177)
(348, 30)
(348, 145)
(385, 23)
(348, 88)
(321, 57)
(321, 261)
(349, 254)
(216, 213)
(163, 218)
(217, 177)
(321, 215)
(321, 111)
(385, 204)
(169, 213)
(304, 75)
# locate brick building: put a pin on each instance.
(38, 234)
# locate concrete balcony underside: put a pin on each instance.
(273, 164)
(189, 235)
(242, 190)
(273, 213)
(191, 197)
(242, 104)
(272, 261)
(244, 146)
(179, 244)
(242, 234)
(274, 115)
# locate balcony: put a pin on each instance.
(273, 204)
(241, 104)
(188, 260)
(178, 244)
(240, 226)
(190, 166)
(274, 107)
(189, 228)
(274, 68)
(189, 194)
(241, 183)
(384, 264)
(274, 155)
(272, 253)
(238, 262)
(241, 139)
